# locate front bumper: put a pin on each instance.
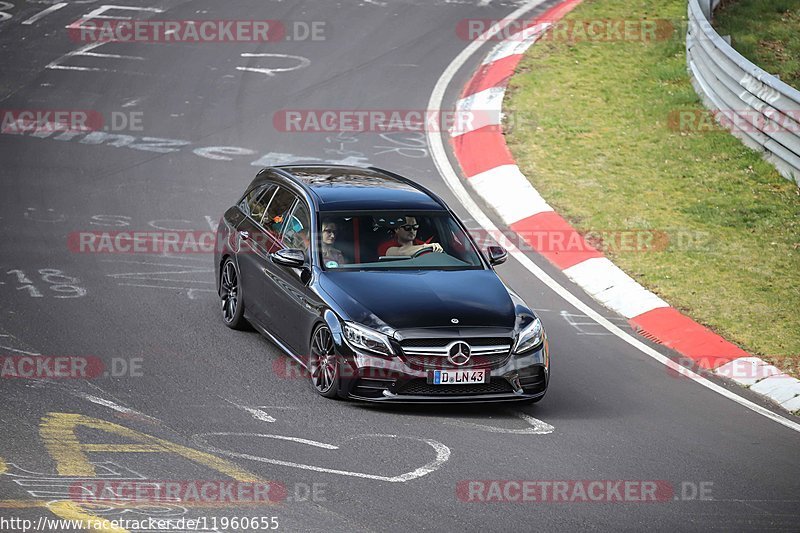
(376, 379)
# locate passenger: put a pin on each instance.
(407, 244)
(330, 255)
(295, 234)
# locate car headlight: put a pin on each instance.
(530, 337)
(366, 339)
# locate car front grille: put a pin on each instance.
(420, 387)
(432, 353)
(429, 362)
(444, 341)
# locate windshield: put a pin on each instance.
(394, 240)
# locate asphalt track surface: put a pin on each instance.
(612, 412)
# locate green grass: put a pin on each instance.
(767, 32)
(603, 155)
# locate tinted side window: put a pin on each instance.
(256, 202)
(297, 228)
(278, 210)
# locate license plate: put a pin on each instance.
(457, 377)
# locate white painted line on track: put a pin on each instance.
(586, 327)
(142, 277)
(440, 159)
(190, 291)
(18, 350)
(98, 14)
(278, 437)
(105, 403)
(111, 56)
(40, 15)
(105, 470)
(146, 263)
(256, 413)
(442, 456)
(537, 427)
(182, 257)
(86, 51)
(302, 62)
(111, 405)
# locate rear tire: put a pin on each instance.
(230, 292)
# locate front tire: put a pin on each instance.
(323, 363)
(230, 292)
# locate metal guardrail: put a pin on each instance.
(756, 106)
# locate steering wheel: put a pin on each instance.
(421, 251)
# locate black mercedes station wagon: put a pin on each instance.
(371, 283)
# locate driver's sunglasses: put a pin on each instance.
(409, 227)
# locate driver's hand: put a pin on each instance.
(436, 247)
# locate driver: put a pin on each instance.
(407, 244)
(331, 257)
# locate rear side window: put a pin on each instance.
(278, 210)
(296, 228)
(255, 203)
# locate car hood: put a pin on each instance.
(421, 299)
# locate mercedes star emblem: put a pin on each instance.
(459, 353)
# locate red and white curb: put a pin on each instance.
(492, 173)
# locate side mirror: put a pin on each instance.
(289, 257)
(497, 255)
